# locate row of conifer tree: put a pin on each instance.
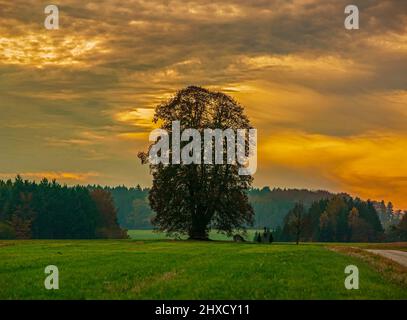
(48, 210)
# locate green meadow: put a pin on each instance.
(171, 269)
(213, 235)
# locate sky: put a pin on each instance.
(329, 104)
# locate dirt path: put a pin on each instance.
(395, 255)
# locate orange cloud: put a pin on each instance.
(42, 49)
(140, 117)
(329, 104)
(370, 165)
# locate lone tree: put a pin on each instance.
(294, 222)
(191, 199)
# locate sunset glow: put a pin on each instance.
(330, 105)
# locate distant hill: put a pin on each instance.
(270, 206)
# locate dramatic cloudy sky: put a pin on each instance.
(330, 104)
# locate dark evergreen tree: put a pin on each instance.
(50, 211)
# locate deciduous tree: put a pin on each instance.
(191, 199)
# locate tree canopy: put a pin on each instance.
(191, 199)
(338, 219)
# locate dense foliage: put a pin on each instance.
(195, 197)
(50, 211)
(338, 219)
(398, 232)
(133, 209)
(270, 206)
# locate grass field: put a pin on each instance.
(157, 269)
(152, 235)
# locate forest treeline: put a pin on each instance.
(48, 210)
(325, 216)
(338, 219)
(270, 206)
(341, 219)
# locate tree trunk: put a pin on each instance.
(198, 230)
(198, 235)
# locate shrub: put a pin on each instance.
(6, 231)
